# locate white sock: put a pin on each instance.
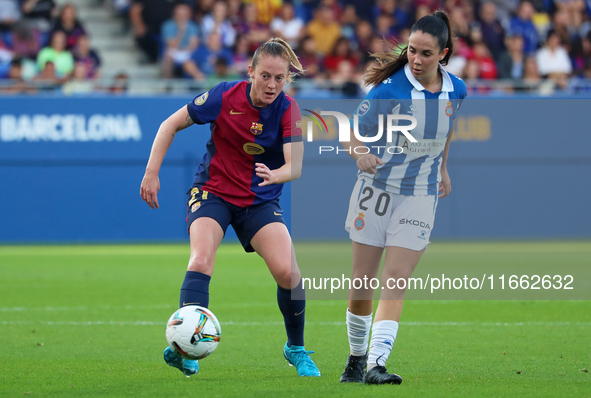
(383, 335)
(358, 327)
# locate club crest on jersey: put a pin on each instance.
(359, 222)
(201, 99)
(363, 108)
(195, 207)
(256, 128)
(253, 149)
(449, 109)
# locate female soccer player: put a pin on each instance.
(393, 203)
(256, 146)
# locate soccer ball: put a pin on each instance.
(193, 332)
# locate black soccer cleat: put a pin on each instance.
(354, 369)
(379, 375)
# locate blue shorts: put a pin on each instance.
(246, 221)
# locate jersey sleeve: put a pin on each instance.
(206, 107)
(291, 123)
(460, 86)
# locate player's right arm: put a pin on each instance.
(366, 162)
(166, 133)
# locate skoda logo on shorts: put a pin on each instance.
(253, 149)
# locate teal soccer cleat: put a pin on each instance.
(298, 356)
(187, 366)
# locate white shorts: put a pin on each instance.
(380, 218)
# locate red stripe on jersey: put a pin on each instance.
(232, 166)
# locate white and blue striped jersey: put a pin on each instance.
(417, 170)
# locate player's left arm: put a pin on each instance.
(293, 153)
(445, 184)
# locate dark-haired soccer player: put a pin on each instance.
(255, 146)
(393, 203)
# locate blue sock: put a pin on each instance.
(195, 289)
(293, 313)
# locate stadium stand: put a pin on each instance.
(537, 47)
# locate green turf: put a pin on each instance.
(81, 321)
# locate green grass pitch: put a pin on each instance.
(87, 321)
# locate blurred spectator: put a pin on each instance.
(308, 57)
(181, 37)
(234, 11)
(341, 52)
(61, 59)
(460, 26)
(222, 73)
(377, 45)
(18, 84)
(400, 19)
(254, 31)
(5, 57)
(47, 79)
(523, 25)
(26, 42)
(471, 70)
(85, 55)
(9, 14)
(78, 84)
(70, 25)
(421, 11)
(39, 13)
(208, 52)
(242, 56)
(324, 29)
(363, 37)
(574, 10)
(384, 27)
(506, 9)
(204, 7)
(344, 78)
(217, 21)
(349, 20)
(287, 25)
(586, 52)
(120, 83)
(561, 27)
(147, 16)
(486, 63)
(511, 63)
(531, 77)
(493, 33)
(265, 9)
(553, 61)
(471, 75)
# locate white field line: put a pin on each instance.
(232, 323)
(270, 303)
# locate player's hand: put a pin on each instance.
(149, 190)
(368, 163)
(445, 184)
(266, 174)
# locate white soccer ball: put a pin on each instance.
(193, 332)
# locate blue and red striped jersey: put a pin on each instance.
(242, 135)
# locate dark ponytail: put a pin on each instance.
(442, 32)
(437, 25)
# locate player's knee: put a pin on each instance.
(286, 278)
(201, 262)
